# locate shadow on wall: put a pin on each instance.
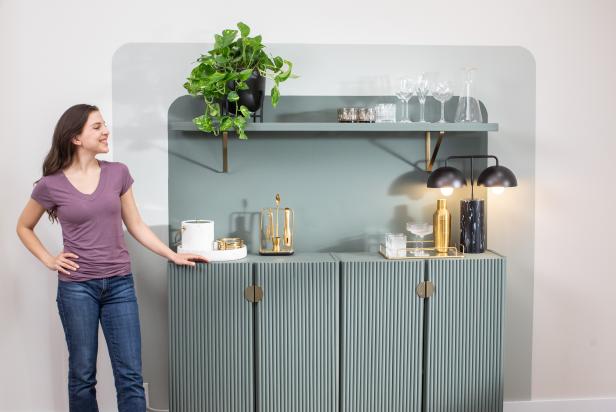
(150, 275)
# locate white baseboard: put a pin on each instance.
(563, 405)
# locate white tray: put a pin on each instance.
(218, 255)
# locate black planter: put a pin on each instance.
(252, 97)
(472, 226)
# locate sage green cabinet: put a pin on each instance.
(337, 332)
(298, 334)
(382, 334)
(403, 352)
(211, 364)
(464, 334)
(230, 354)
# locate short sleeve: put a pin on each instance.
(41, 194)
(127, 179)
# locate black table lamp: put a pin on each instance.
(472, 211)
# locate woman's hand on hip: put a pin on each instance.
(63, 263)
(187, 259)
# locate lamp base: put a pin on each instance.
(472, 226)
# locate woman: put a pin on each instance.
(91, 198)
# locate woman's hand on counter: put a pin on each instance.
(188, 259)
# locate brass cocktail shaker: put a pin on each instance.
(442, 226)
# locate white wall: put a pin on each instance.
(55, 54)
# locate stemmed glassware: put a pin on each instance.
(422, 89)
(404, 93)
(420, 230)
(443, 92)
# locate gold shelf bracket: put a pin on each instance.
(431, 159)
(225, 159)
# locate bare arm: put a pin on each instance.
(30, 216)
(144, 235)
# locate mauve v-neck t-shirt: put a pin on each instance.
(91, 224)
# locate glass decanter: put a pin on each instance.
(468, 106)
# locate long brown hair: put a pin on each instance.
(62, 151)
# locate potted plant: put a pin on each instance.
(231, 79)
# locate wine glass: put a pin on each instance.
(422, 90)
(420, 230)
(404, 93)
(443, 92)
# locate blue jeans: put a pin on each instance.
(111, 301)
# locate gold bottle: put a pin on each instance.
(442, 226)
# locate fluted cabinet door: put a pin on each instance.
(210, 338)
(297, 335)
(382, 332)
(464, 335)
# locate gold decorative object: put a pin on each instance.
(271, 243)
(253, 293)
(425, 290)
(442, 226)
(276, 244)
(288, 236)
(229, 243)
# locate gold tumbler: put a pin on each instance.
(442, 226)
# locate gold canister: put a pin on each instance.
(229, 243)
(442, 226)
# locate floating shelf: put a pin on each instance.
(188, 126)
(425, 128)
(317, 114)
